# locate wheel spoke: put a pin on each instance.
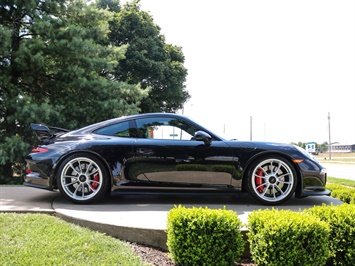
(260, 186)
(72, 167)
(79, 165)
(93, 172)
(284, 175)
(70, 176)
(82, 190)
(273, 191)
(87, 169)
(71, 183)
(91, 188)
(278, 168)
(75, 193)
(286, 182)
(279, 189)
(265, 190)
(261, 176)
(263, 170)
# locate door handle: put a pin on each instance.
(145, 152)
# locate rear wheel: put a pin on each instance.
(82, 178)
(271, 180)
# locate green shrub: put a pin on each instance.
(287, 238)
(332, 187)
(342, 235)
(343, 193)
(200, 236)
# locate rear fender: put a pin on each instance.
(56, 166)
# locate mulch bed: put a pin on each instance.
(160, 258)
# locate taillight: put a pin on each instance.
(39, 149)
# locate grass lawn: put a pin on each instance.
(40, 239)
(341, 181)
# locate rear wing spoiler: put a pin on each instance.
(45, 132)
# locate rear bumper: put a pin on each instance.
(28, 184)
(39, 172)
(34, 179)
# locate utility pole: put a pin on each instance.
(251, 128)
(330, 143)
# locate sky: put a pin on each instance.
(266, 70)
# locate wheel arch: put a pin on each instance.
(62, 158)
(269, 154)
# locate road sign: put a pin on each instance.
(311, 147)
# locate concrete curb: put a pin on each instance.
(150, 237)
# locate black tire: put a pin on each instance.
(271, 180)
(82, 178)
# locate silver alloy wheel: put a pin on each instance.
(81, 178)
(272, 180)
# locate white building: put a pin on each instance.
(342, 148)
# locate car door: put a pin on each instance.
(117, 149)
(167, 153)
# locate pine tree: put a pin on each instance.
(55, 68)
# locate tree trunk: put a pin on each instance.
(6, 174)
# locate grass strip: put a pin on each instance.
(40, 239)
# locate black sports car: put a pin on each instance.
(167, 153)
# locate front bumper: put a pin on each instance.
(313, 184)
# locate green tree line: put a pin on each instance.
(70, 63)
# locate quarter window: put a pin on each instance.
(122, 130)
(165, 128)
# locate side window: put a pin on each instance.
(122, 130)
(165, 128)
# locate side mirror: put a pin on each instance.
(203, 136)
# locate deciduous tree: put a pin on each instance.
(149, 60)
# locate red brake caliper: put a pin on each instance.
(258, 180)
(95, 184)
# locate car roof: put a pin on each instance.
(88, 129)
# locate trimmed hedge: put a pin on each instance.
(343, 193)
(287, 238)
(322, 235)
(342, 225)
(200, 236)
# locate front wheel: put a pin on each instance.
(82, 178)
(271, 180)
